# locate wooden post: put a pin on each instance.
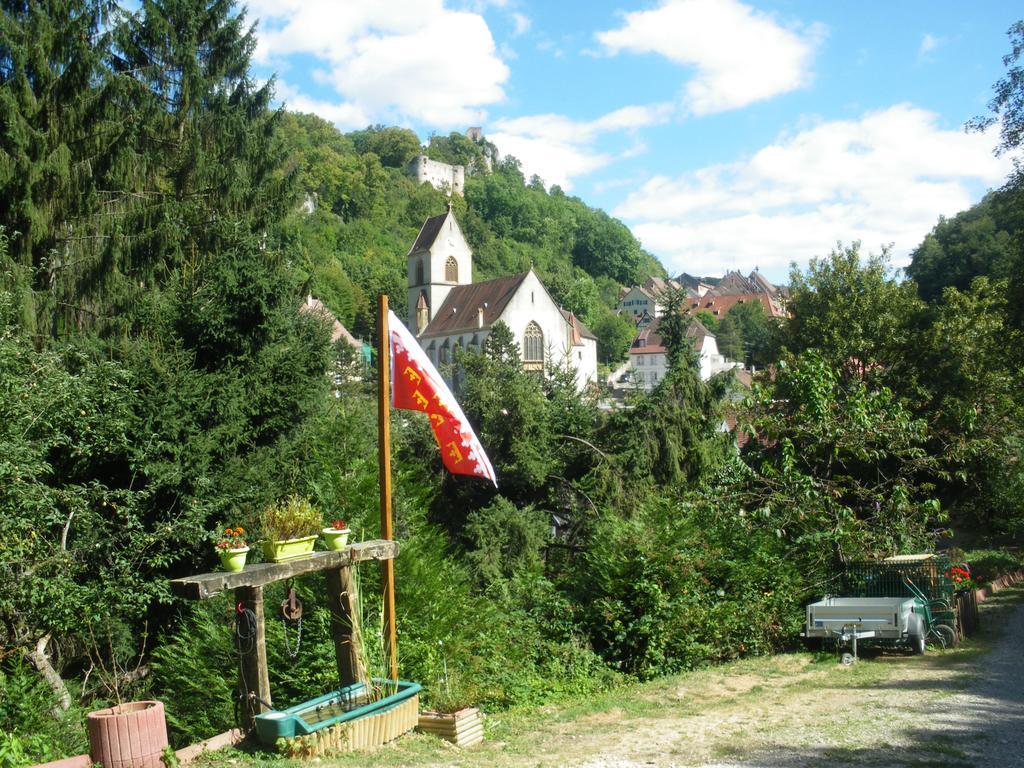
(345, 626)
(384, 452)
(255, 676)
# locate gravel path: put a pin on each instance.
(956, 712)
(987, 719)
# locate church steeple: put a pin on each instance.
(439, 260)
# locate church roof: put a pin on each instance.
(428, 233)
(460, 311)
(579, 330)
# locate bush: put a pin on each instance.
(29, 733)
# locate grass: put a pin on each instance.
(800, 703)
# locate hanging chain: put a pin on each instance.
(298, 638)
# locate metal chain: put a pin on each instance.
(298, 639)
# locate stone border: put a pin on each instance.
(999, 584)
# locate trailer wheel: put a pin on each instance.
(846, 659)
(916, 634)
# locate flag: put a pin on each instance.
(417, 386)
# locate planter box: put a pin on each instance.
(463, 728)
(290, 549)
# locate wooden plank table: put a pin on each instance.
(248, 587)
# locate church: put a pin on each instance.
(448, 310)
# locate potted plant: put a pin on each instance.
(336, 534)
(232, 548)
(451, 716)
(290, 527)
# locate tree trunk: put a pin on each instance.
(41, 661)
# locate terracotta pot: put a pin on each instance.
(128, 736)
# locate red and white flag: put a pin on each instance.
(417, 386)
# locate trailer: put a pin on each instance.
(848, 620)
(902, 601)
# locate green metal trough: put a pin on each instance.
(345, 704)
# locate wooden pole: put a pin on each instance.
(384, 451)
(253, 670)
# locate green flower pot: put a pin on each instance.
(289, 549)
(336, 539)
(233, 559)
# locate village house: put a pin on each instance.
(649, 298)
(648, 357)
(734, 288)
(447, 310)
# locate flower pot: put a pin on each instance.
(289, 549)
(233, 559)
(335, 538)
(128, 736)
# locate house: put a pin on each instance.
(648, 356)
(448, 310)
(339, 332)
(649, 298)
(732, 289)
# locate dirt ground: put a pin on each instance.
(951, 708)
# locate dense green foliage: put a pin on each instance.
(158, 382)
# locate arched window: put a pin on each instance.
(451, 270)
(444, 355)
(533, 348)
(419, 272)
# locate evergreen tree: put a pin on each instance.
(205, 155)
(59, 137)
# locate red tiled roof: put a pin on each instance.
(719, 306)
(649, 341)
(318, 309)
(579, 330)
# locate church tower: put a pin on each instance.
(439, 260)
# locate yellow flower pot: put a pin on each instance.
(335, 538)
(233, 559)
(289, 549)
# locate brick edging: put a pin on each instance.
(1000, 583)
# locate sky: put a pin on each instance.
(724, 134)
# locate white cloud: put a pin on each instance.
(885, 178)
(928, 44)
(522, 24)
(558, 148)
(390, 61)
(346, 116)
(741, 55)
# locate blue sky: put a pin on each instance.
(725, 134)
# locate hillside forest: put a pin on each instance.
(160, 225)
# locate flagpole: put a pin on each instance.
(384, 463)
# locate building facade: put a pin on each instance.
(447, 310)
(648, 356)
